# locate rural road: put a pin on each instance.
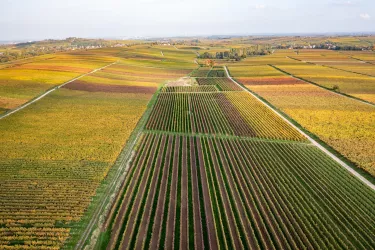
(335, 158)
(49, 91)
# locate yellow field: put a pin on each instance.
(344, 124)
(348, 83)
(56, 153)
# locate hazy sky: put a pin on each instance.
(39, 19)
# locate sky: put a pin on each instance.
(43, 19)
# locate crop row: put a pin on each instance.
(231, 113)
(189, 89)
(223, 84)
(196, 192)
(324, 113)
(37, 213)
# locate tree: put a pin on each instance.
(210, 63)
(336, 88)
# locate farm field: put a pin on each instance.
(217, 113)
(176, 125)
(343, 60)
(339, 72)
(49, 178)
(184, 192)
(344, 124)
(339, 121)
(150, 149)
(200, 180)
(222, 83)
(52, 181)
(22, 81)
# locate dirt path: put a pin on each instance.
(50, 91)
(335, 158)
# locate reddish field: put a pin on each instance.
(97, 87)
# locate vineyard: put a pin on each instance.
(218, 113)
(343, 123)
(194, 192)
(200, 72)
(181, 89)
(58, 154)
(20, 82)
(219, 170)
(155, 152)
(223, 84)
(354, 84)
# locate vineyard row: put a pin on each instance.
(187, 192)
(230, 113)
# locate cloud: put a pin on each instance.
(260, 6)
(365, 16)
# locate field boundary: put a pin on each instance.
(318, 145)
(37, 98)
(320, 86)
(361, 60)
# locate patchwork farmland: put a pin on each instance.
(147, 147)
(219, 169)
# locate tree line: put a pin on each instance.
(238, 53)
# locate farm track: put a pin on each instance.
(50, 91)
(335, 158)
